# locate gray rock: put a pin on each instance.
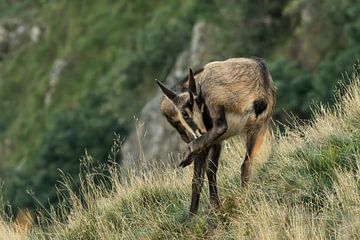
(154, 142)
(35, 33)
(14, 34)
(54, 79)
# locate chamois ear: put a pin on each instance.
(191, 99)
(168, 93)
(199, 99)
(192, 83)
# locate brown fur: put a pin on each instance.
(230, 89)
(239, 96)
(235, 84)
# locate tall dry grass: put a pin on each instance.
(9, 232)
(308, 189)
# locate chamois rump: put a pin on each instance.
(224, 99)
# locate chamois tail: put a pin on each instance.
(264, 71)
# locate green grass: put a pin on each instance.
(113, 51)
(101, 49)
(309, 188)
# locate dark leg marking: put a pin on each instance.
(211, 171)
(198, 180)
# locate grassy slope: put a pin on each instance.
(115, 49)
(310, 188)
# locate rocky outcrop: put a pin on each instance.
(14, 33)
(154, 142)
(56, 70)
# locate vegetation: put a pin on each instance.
(108, 64)
(112, 51)
(309, 189)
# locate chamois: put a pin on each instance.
(182, 110)
(234, 97)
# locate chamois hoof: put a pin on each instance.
(215, 205)
(188, 159)
(185, 163)
(188, 219)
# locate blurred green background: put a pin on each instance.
(74, 72)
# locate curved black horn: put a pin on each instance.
(192, 84)
(169, 93)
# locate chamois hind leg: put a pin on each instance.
(254, 141)
(198, 179)
(213, 162)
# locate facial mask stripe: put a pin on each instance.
(191, 124)
(187, 127)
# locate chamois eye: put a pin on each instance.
(184, 114)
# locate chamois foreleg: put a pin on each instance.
(213, 162)
(218, 117)
(198, 179)
(254, 140)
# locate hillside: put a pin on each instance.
(74, 74)
(308, 189)
(70, 74)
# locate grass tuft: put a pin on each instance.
(308, 189)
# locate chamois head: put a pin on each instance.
(184, 111)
